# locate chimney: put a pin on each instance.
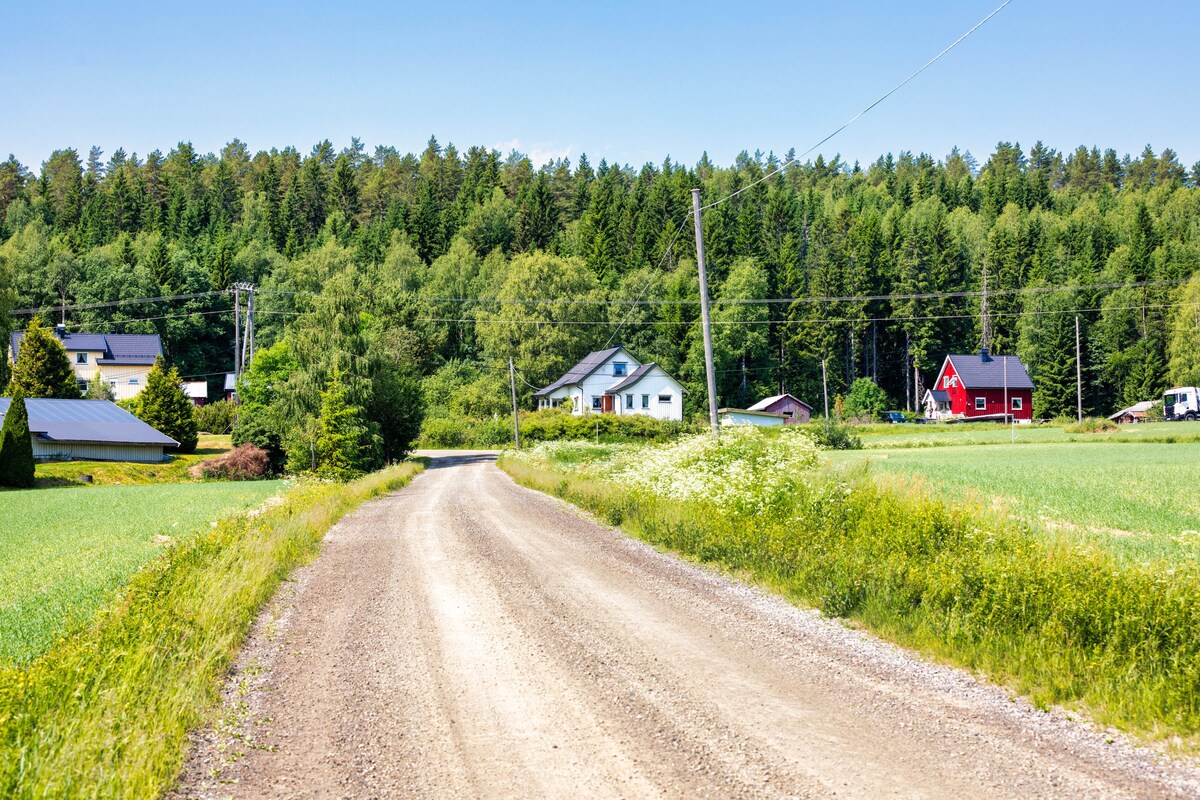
(983, 355)
(60, 330)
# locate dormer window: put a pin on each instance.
(619, 368)
(81, 358)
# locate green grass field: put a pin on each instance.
(1130, 494)
(942, 435)
(65, 552)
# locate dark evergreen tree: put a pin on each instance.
(163, 406)
(16, 446)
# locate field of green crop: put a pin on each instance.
(907, 435)
(1134, 498)
(65, 552)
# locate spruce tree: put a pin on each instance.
(16, 448)
(339, 445)
(99, 389)
(42, 367)
(164, 406)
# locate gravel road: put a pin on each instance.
(465, 637)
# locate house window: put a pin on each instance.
(595, 404)
(1016, 404)
(664, 398)
(629, 401)
(133, 381)
(645, 401)
(82, 386)
(980, 404)
(81, 358)
(619, 368)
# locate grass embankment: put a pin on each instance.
(1126, 497)
(1070, 625)
(106, 712)
(64, 553)
(126, 473)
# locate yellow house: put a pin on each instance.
(121, 359)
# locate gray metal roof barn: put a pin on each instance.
(89, 429)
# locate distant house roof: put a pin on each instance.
(590, 363)
(750, 412)
(87, 421)
(119, 349)
(230, 381)
(631, 378)
(988, 372)
(1134, 410)
(763, 404)
(939, 395)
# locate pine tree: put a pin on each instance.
(42, 367)
(99, 389)
(339, 445)
(16, 448)
(164, 406)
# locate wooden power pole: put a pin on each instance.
(704, 317)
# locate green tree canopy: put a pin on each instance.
(42, 367)
(866, 399)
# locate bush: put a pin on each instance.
(1092, 425)
(832, 436)
(866, 400)
(216, 417)
(437, 433)
(245, 463)
(16, 448)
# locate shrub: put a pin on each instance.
(866, 399)
(437, 433)
(245, 463)
(1092, 425)
(164, 406)
(832, 436)
(216, 417)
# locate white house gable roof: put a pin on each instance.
(589, 364)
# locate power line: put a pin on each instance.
(855, 118)
(114, 303)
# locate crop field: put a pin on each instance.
(65, 552)
(907, 435)
(1126, 493)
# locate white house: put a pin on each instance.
(121, 359)
(613, 381)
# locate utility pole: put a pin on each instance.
(512, 383)
(825, 390)
(237, 331)
(1078, 375)
(704, 317)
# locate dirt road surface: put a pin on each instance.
(466, 637)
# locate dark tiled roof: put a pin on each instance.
(940, 396)
(590, 363)
(631, 378)
(975, 373)
(87, 421)
(133, 349)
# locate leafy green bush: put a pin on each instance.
(832, 436)
(216, 417)
(1092, 425)
(866, 400)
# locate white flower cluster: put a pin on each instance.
(747, 470)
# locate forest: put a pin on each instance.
(444, 263)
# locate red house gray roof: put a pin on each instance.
(990, 372)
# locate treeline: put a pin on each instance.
(471, 257)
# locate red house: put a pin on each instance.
(981, 386)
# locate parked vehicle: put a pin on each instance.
(1181, 403)
(894, 417)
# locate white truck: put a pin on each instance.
(1181, 403)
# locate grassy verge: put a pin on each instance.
(64, 553)
(106, 712)
(1066, 625)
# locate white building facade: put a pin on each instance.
(614, 382)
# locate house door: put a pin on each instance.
(606, 404)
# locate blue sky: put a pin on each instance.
(630, 81)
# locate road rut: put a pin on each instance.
(466, 637)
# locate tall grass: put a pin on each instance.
(106, 712)
(1065, 625)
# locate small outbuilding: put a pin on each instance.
(196, 391)
(794, 410)
(95, 430)
(1135, 413)
(744, 416)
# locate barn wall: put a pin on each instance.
(96, 451)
